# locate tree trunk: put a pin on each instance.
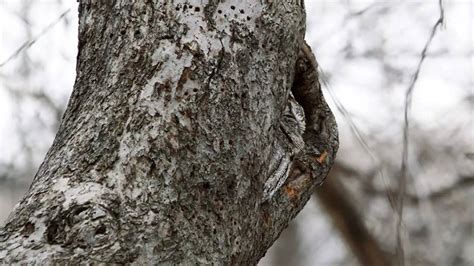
(177, 145)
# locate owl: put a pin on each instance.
(288, 142)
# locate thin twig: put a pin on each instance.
(354, 129)
(404, 166)
(340, 107)
(465, 182)
(26, 45)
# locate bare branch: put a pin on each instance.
(346, 219)
(464, 182)
(408, 101)
(26, 45)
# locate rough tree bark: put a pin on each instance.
(171, 134)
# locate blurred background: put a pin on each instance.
(377, 58)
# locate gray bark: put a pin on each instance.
(172, 135)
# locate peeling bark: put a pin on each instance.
(167, 141)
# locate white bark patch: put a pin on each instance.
(166, 54)
(115, 67)
(116, 175)
(61, 184)
(39, 230)
(198, 35)
(83, 193)
(244, 12)
(184, 121)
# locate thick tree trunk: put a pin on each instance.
(174, 146)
